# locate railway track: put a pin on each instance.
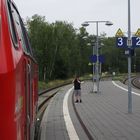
(136, 82)
(44, 99)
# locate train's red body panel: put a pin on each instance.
(18, 77)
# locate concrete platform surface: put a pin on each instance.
(105, 115)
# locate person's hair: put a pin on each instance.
(77, 76)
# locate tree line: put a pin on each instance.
(63, 51)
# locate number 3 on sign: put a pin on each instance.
(120, 41)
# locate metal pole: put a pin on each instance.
(100, 71)
(93, 69)
(97, 64)
(129, 63)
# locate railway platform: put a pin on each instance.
(102, 116)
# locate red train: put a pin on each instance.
(18, 77)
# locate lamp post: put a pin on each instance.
(100, 52)
(86, 23)
(129, 43)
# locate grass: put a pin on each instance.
(122, 77)
(54, 83)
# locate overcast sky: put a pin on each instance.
(78, 11)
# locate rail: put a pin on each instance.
(44, 98)
(136, 82)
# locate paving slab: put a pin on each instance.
(105, 115)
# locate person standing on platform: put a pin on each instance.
(77, 89)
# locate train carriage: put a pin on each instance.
(18, 77)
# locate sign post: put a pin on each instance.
(128, 43)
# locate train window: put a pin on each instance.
(26, 37)
(18, 27)
(12, 26)
(21, 31)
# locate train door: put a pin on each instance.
(27, 101)
(29, 131)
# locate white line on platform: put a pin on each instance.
(69, 125)
(125, 88)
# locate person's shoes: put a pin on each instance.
(80, 101)
(76, 101)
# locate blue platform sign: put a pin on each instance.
(101, 59)
(135, 42)
(121, 42)
(93, 58)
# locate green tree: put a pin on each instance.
(38, 32)
(63, 51)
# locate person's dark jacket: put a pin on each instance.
(77, 84)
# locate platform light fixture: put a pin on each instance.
(85, 24)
